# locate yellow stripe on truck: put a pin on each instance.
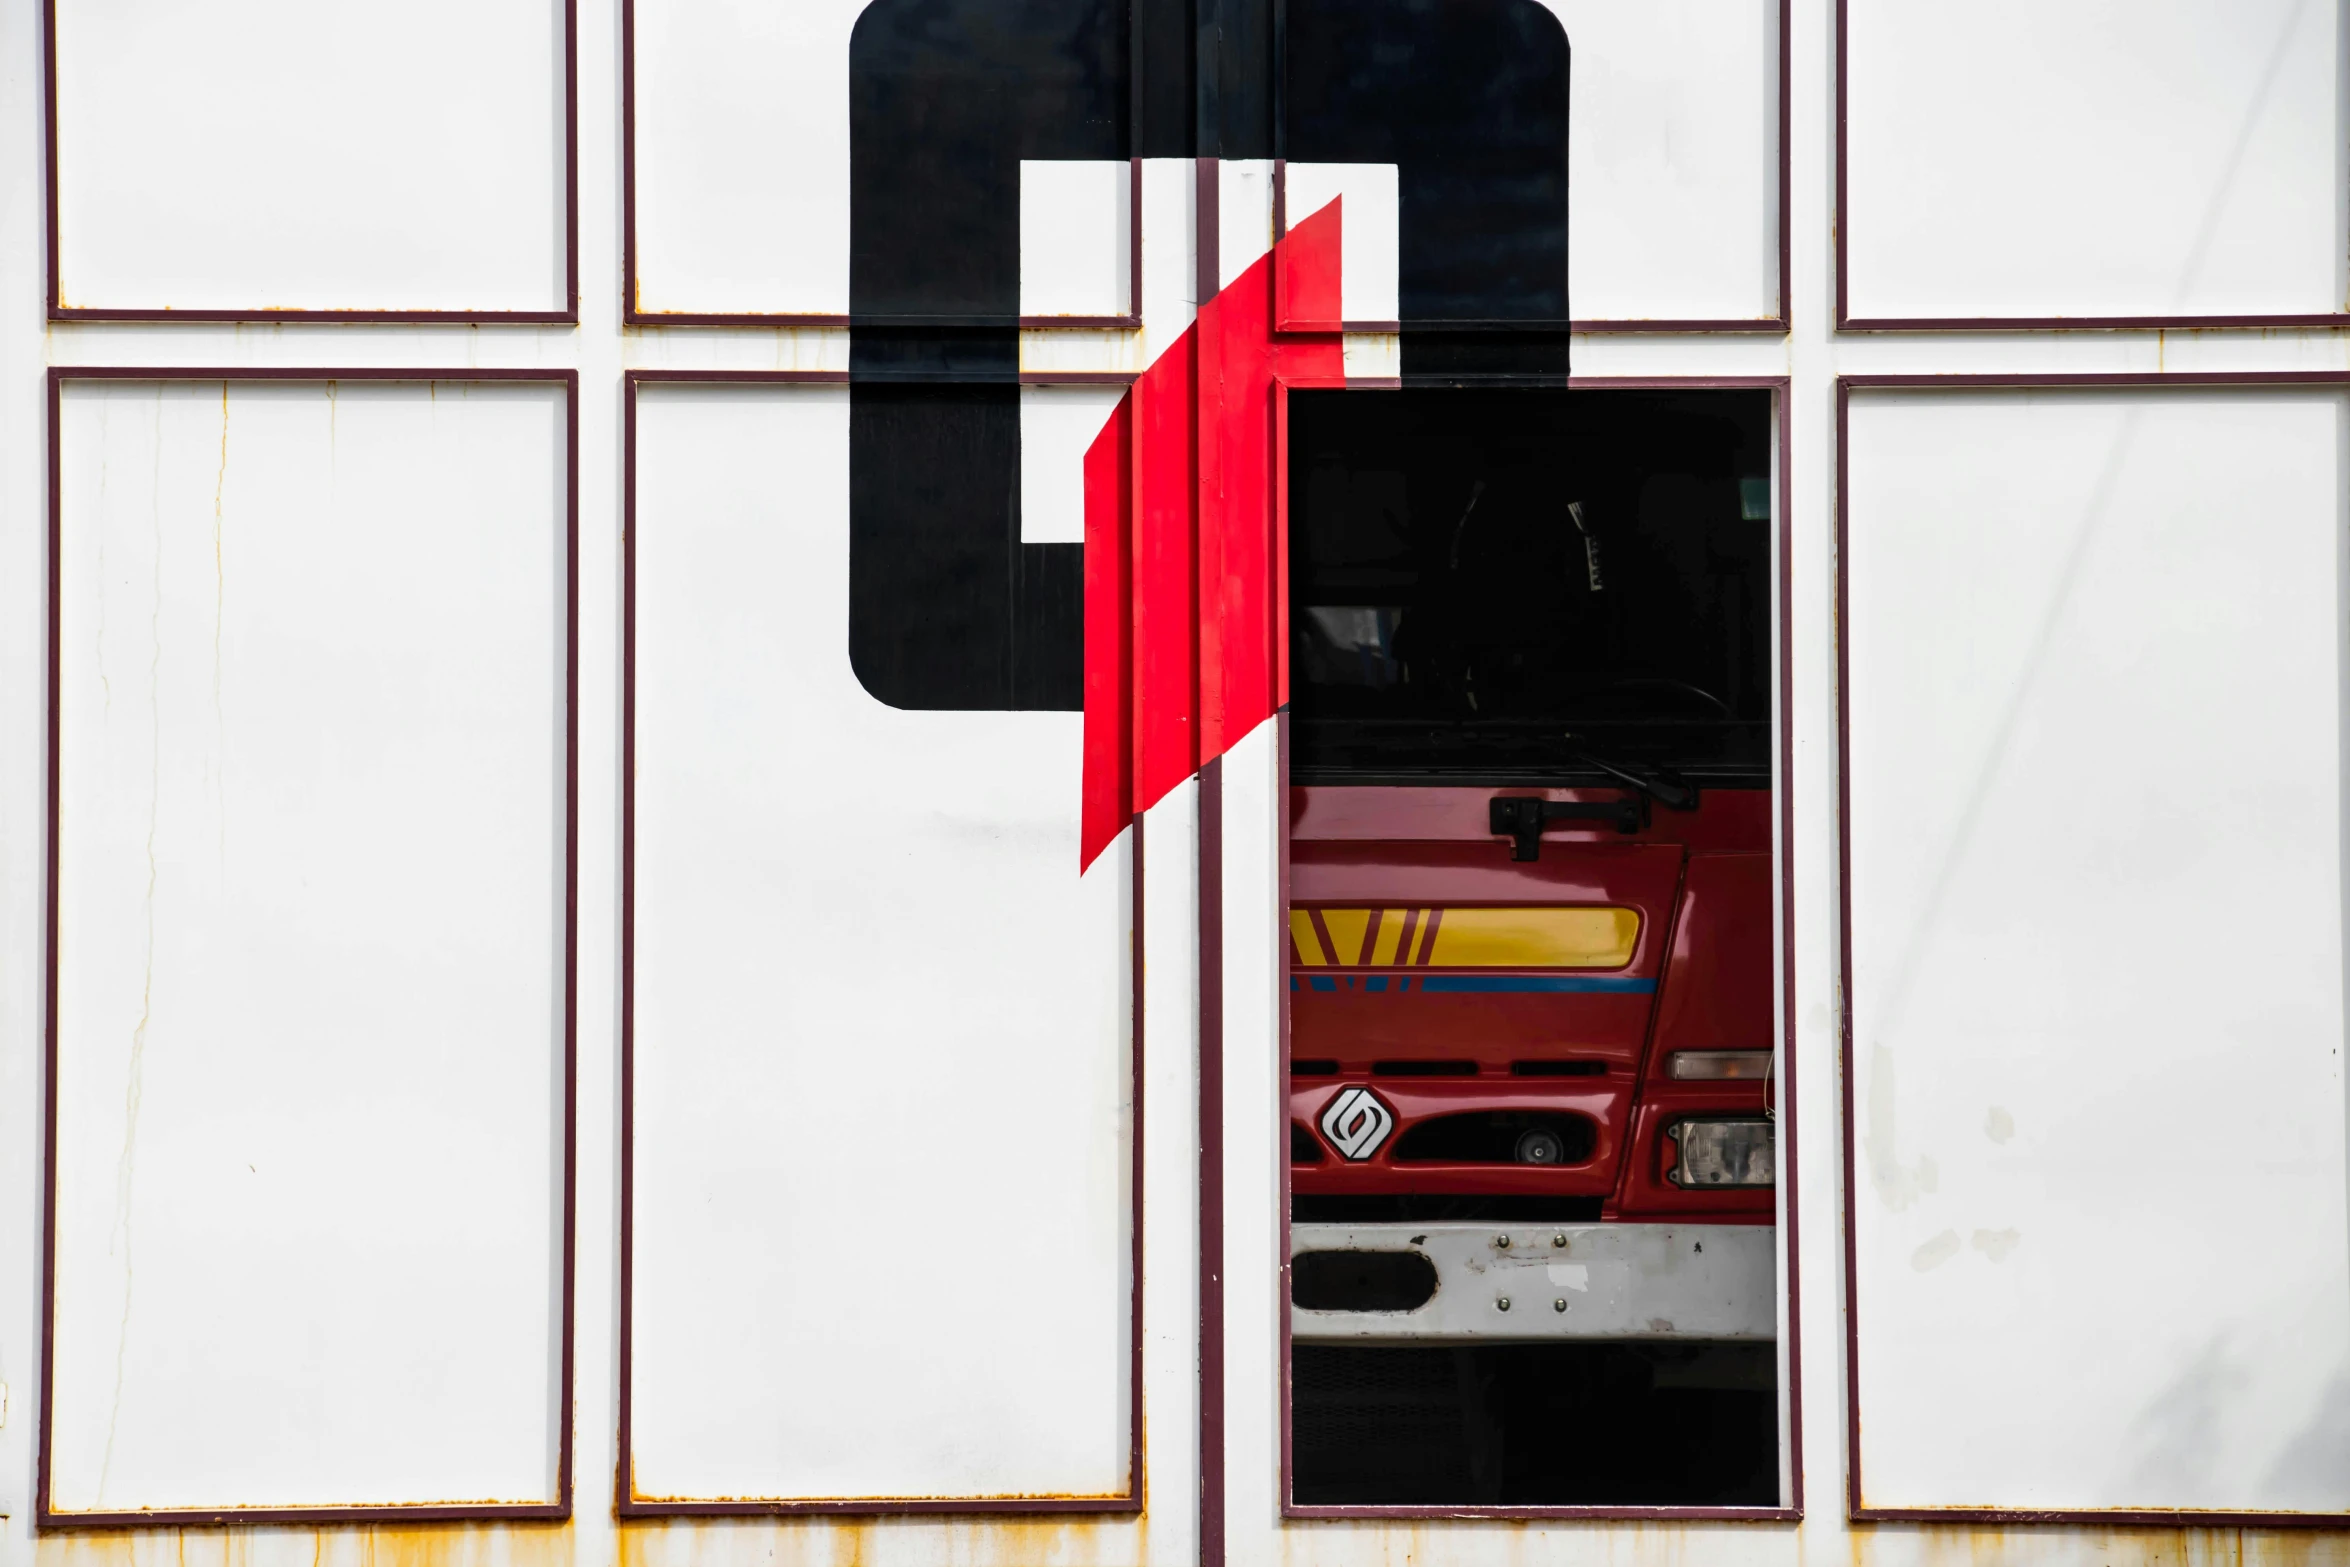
(1535, 938)
(1301, 935)
(1472, 938)
(1346, 927)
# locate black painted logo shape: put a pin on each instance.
(948, 609)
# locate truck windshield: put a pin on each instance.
(1492, 586)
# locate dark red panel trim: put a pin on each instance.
(2086, 323)
(1470, 1514)
(876, 1507)
(1211, 1163)
(1842, 233)
(2176, 380)
(626, 1504)
(58, 310)
(1779, 388)
(45, 1519)
(632, 315)
(1856, 1506)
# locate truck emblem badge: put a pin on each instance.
(1356, 1123)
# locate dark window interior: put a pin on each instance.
(1452, 621)
(1618, 1424)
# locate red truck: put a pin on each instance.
(1531, 945)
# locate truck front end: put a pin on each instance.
(1531, 945)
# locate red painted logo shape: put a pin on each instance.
(1186, 534)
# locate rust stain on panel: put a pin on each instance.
(976, 1540)
(294, 1545)
(2293, 1548)
(1982, 1545)
(1043, 1541)
(1539, 1542)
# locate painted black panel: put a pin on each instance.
(1236, 40)
(947, 608)
(1469, 99)
(945, 98)
(1484, 358)
(933, 354)
(1165, 86)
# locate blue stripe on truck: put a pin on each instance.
(1554, 983)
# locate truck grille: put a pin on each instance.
(1496, 1137)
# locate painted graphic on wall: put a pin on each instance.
(1521, 634)
(1450, 117)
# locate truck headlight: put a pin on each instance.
(1718, 1155)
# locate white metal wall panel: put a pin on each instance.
(1076, 237)
(2102, 1257)
(1673, 159)
(1256, 1140)
(742, 156)
(1169, 192)
(1369, 241)
(311, 941)
(2053, 158)
(271, 155)
(1057, 424)
(1244, 215)
(883, 1076)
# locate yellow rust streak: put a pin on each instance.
(908, 1540)
(1975, 1545)
(1046, 1541)
(297, 1545)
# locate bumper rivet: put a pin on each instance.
(1559, 1240)
(1502, 1241)
(1503, 1303)
(1559, 1304)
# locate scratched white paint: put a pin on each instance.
(2097, 157)
(2097, 862)
(883, 1076)
(343, 157)
(1673, 159)
(310, 944)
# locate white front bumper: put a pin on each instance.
(1563, 1281)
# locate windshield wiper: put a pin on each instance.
(1522, 819)
(1665, 787)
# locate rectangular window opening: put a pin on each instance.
(1530, 852)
